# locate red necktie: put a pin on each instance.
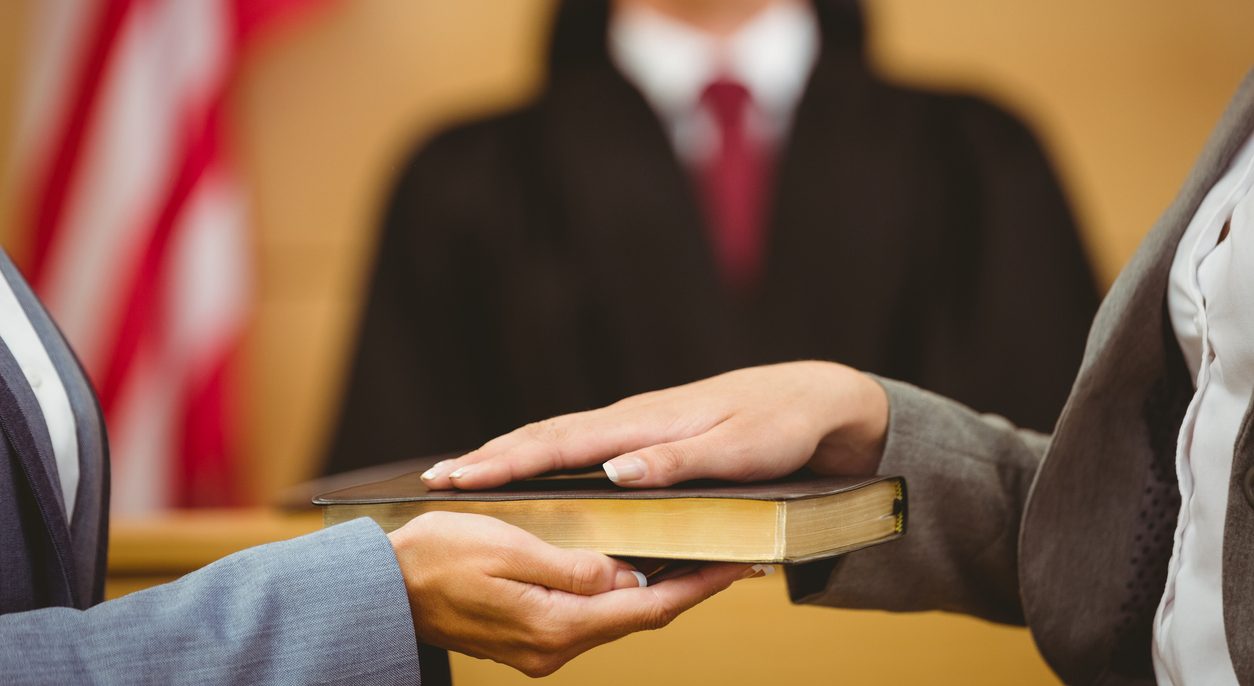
(733, 182)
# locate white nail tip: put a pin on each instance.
(459, 473)
(428, 475)
(613, 474)
(765, 570)
(641, 579)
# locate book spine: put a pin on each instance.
(899, 506)
(781, 529)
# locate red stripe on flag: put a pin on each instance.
(52, 192)
(206, 473)
(253, 17)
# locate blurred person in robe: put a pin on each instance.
(703, 186)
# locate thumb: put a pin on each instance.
(582, 572)
(619, 613)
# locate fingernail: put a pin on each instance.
(461, 471)
(759, 570)
(435, 470)
(624, 469)
(630, 579)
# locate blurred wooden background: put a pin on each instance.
(1123, 92)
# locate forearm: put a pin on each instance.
(968, 477)
(330, 607)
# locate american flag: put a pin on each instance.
(137, 227)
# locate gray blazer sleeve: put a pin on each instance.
(329, 607)
(967, 479)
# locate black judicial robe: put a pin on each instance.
(553, 258)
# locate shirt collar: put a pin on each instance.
(672, 62)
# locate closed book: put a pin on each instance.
(799, 518)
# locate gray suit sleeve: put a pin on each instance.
(967, 479)
(329, 607)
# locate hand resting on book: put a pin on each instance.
(747, 425)
(481, 587)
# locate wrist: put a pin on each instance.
(856, 422)
(404, 545)
(869, 429)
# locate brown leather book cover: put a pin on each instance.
(592, 484)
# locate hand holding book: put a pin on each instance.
(748, 425)
(482, 587)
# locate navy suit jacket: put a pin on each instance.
(330, 607)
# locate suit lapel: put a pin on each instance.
(826, 240)
(1076, 540)
(88, 525)
(23, 426)
(635, 218)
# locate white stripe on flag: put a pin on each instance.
(209, 272)
(143, 437)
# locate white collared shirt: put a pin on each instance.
(1210, 299)
(20, 337)
(672, 62)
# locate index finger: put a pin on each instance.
(570, 441)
